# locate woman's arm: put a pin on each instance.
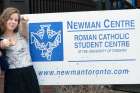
(23, 27)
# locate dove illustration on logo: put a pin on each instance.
(46, 41)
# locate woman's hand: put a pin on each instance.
(24, 19)
(4, 43)
(7, 43)
(12, 41)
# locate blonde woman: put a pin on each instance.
(20, 76)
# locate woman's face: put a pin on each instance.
(12, 22)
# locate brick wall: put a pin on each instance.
(138, 3)
(1, 82)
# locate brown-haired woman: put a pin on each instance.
(20, 77)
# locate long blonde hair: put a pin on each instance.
(4, 17)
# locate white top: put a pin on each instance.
(18, 55)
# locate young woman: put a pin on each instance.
(20, 77)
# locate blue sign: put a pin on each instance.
(46, 41)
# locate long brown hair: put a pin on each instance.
(5, 16)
